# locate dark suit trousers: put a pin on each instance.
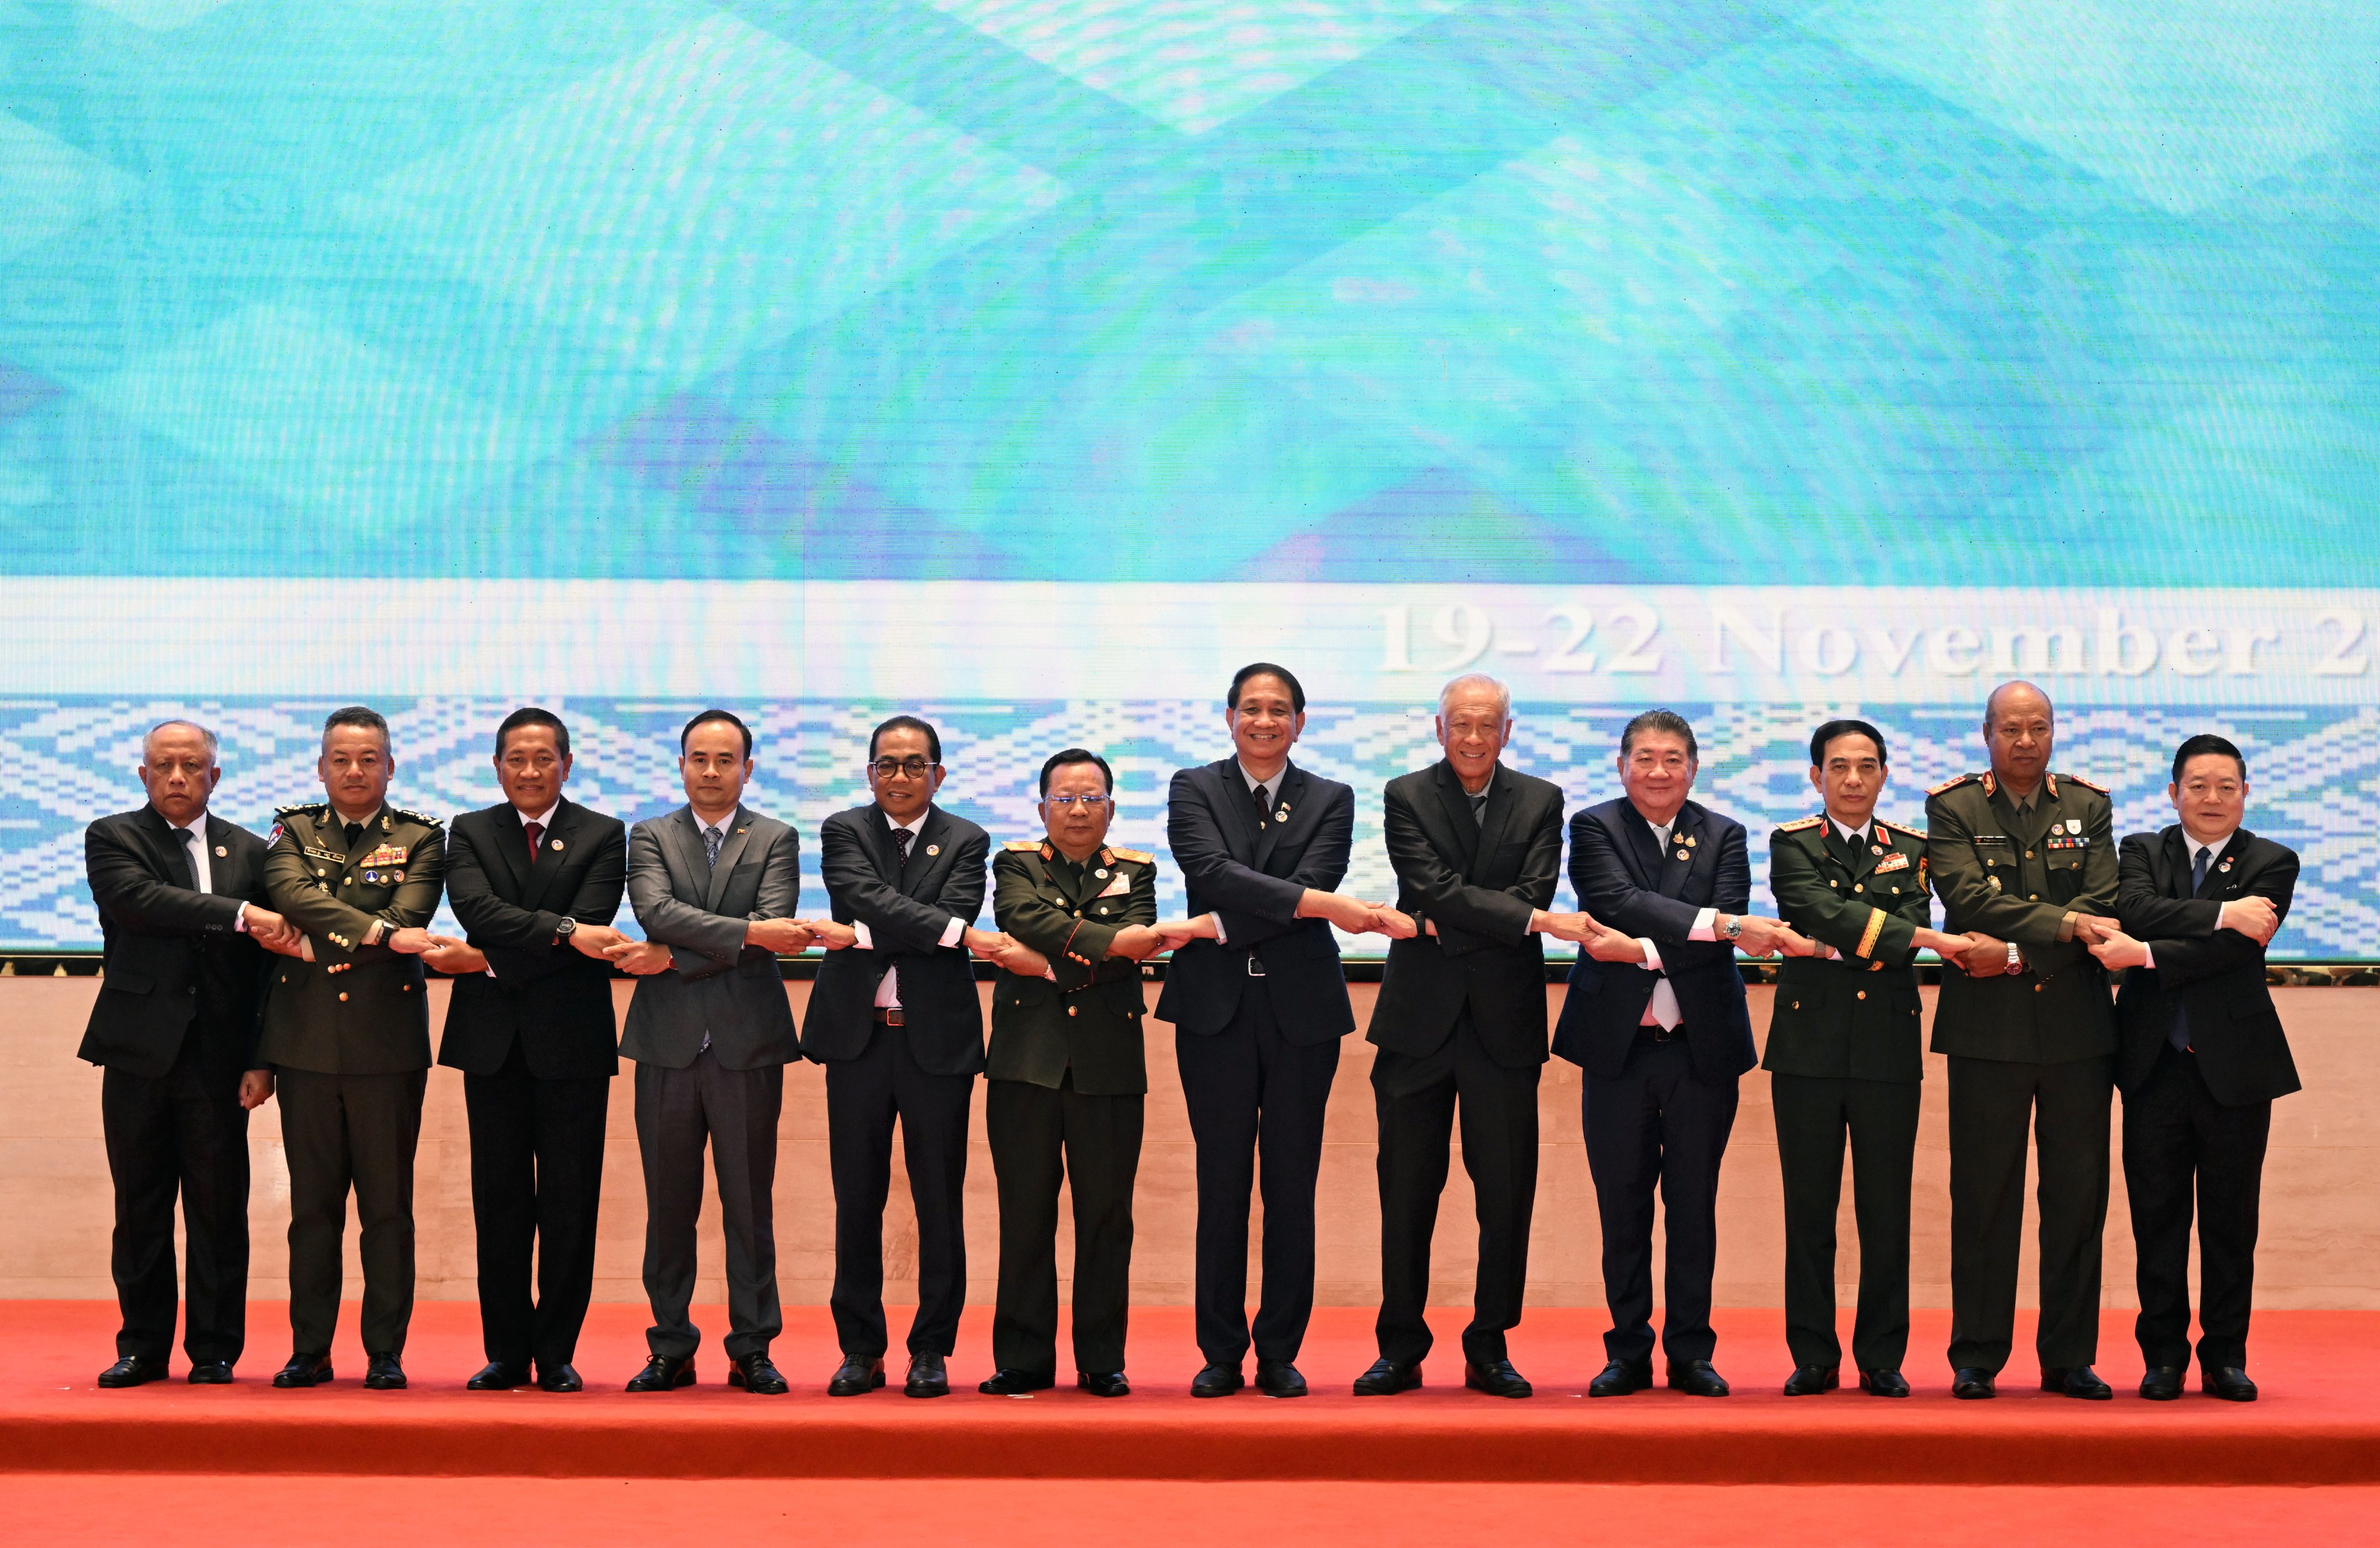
(1417, 1099)
(537, 1180)
(344, 1131)
(863, 1098)
(1656, 1126)
(2178, 1135)
(735, 1112)
(1813, 1116)
(168, 1135)
(1251, 1092)
(2068, 1104)
(1040, 1137)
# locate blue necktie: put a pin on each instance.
(711, 839)
(2179, 1035)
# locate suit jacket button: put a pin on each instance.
(1862, 994)
(2039, 987)
(1070, 1010)
(343, 996)
(1797, 1005)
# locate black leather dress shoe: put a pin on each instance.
(1387, 1377)
(1883, 1384)
(211, 1373)
(383, 1373)
(1973, 1381)
(498, 1375)
(1808, 1380)
(754, 1372)
(1216, 1380)
(1697, 1379)
(2161, 1384)
(133, 1371)
(1277, 1378)
(2076, 1380)
(1103, 1383)
(559, 1378)
(1497, 1379)
(929, 1377)
(304, 1370)
(2229, 1383)
(857, 1374)
(1621, 1377)
(1014, 1384)
(662, 1372)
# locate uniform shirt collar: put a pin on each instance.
(1851, 836)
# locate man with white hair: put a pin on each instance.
(182, 909)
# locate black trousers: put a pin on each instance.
(864, 1096)
(1658, 1127)
(1814, 1115)
(537, 1183)
(1251, 1093)
(343, 1132)
(1040, 1137)
(1417, 1099)
(2177, 1136)
(734, 1112)
(170, 1136)
(2066, 1104)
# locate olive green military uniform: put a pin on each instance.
(1066, 1081)
(347, 1036)
(1845, 1054)
(2035, 1049)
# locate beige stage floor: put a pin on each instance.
(2321, 1243)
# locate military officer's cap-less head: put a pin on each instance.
(356, 761)
(2019, 728)
(1077, 801)
(1847, 770)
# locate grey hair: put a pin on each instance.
(1660, 720)
(149, 739)
(1477, 679)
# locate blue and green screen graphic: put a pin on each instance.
(1038, 362)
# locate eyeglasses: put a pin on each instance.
(1089, 803)
(887, 767)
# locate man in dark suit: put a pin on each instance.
(346, 1030)
(1656, 1016)
(1259, 1003)
(2024, 861)
(1067, 1084)
(716, 886)
(1846, 1053)
(1461, 1021)
(895, 1019)
(536, 880)
(182, 909)
(2203, 1056)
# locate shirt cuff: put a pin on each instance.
(865, 941)
(1706, 926)
(240, 918)
(1221, 939)
(2148, 957)
(954, 932)
(1652, 954)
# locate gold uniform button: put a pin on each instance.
(343, 996)
(2033, 897)
(1834, 883)
(1859, 886)
(2028, 854)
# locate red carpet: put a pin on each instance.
(2319, 1422)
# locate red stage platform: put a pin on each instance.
(2319, 1423)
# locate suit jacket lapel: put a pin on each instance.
(166, 851)
(1674, 872)
(222, 863)
(737, 828)
(1292, 783)
(2231, 849)
(1498, 815)
(1457, 803)
(921, 866)
(512, 848)
(540, 876)
(1237, 809)
(1642, 850)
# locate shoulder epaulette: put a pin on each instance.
(2086, 784)
(1138, 857)
(295, 807)
(421, 817)
(1902, 827)
(1801, 824)
(1023, 846)
(1951, 784)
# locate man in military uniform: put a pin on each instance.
(1845, 1054)
(2025, 862)
(346, 1030)
(1067, 1076)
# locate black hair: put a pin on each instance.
(531, 715)
(2199, 746)
(1266, 669)
(1660, 720)
(907, 722)
(357, 715)
(1833, 729)
(1076, 755)
(721, 715)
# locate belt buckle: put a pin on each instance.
(1256, 968)
(891, 1015)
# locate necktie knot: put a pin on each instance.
(711, 839)
(901, 840)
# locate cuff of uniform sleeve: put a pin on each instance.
(954, 932)
(1706, 926)
(864, 941)
(2066, 930)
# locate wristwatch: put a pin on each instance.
(2015, 959)
(1732, 929)
(567, 929)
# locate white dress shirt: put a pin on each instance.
(2192, 849)
(1662, 1010)
(1271, 788)
(203, 864)
(888, 989)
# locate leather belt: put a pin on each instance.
(888, 1015)
(1659, 1033)
(1256, 966)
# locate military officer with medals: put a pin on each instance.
(1067, 1077)
(2024, 859)
(1845, 1054)
(346, 1031)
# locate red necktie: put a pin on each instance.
(535, 831)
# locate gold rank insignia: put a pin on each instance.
(2088, 784)
(1138, 857)
(1022, 845)
(1953, 784)
(1903, 829)
(1801, 824)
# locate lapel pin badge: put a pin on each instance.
(1102, 873)
(557, 843)
(222, 852)
(2226, 865)
(1682, 855)
(933, 849)
(1282, 816)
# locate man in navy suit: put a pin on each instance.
(1259, 1003)
(1656, 1016)
(2202, 1057)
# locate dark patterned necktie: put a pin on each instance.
(900, 837)
(1264, 804)
(711, 839)
(535, 831)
